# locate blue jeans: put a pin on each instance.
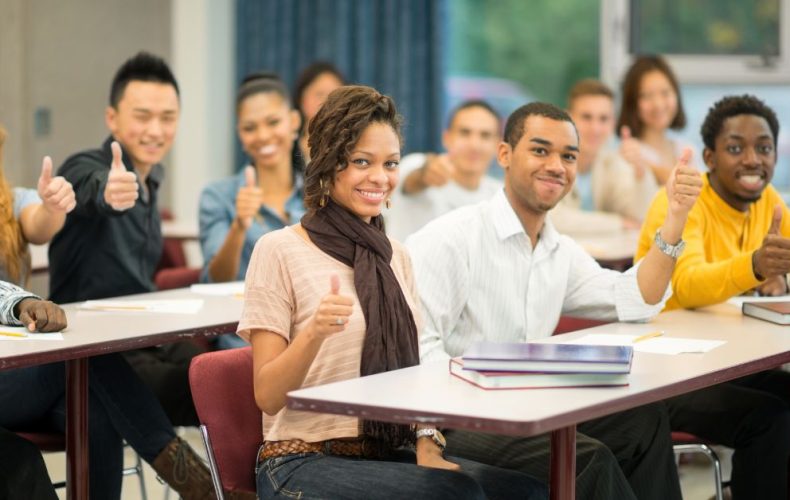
(120, 407)
(230, 341)
(317, 476)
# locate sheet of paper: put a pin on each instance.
(174, 306)
(20, 333)
(656, 345)
(740, 299)
(232, 289)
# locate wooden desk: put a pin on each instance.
(429, 394)
(92, 333)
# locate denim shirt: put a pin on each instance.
(218, 210)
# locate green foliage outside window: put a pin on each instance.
(544, 45)
(726, 27)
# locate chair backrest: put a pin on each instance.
(571, 324)
(176, 277)
(222, 390)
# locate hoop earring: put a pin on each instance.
(388, 203)
(324, 192)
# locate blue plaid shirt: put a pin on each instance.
(218, 210)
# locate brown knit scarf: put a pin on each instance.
(390, 334)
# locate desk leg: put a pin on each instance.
(77, 429)
(563, 464)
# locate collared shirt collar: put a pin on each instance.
(507, 224)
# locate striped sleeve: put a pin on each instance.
(10, 296)
(595, 292)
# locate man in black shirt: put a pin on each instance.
(112, 241)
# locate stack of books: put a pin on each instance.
(503, 365)
(775, 312)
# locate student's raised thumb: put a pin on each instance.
(334, 284)
(776, 220)
(685, 157)
(249, 176)
(625, 132)
(46, 170)
(117, 156)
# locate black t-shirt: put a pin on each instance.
(101, 252)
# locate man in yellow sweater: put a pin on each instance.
(737, 240)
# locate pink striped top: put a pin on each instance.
(286, 280)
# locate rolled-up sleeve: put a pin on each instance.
(595, 292)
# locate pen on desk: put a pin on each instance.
(646, 336)
(13, 334)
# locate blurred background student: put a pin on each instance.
(312, 87)
(603, 199)
(651, 107)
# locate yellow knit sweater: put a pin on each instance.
(717, 261)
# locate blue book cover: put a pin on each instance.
(557, 358)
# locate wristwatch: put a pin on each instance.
(673, 251)
(435, 435)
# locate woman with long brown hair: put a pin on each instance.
(332, 298)
(651, 107)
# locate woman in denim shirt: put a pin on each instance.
(267, 194)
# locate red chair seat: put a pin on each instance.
(45, 441)
(222, 390)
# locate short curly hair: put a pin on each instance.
(730, 106)
(336, 129)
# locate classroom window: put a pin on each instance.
(508, 52)
(705, 41)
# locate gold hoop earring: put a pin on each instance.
(388, 203)
(324, 193)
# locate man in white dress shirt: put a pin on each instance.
(500, 271)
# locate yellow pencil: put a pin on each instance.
(13, 334)
(119, 308)
(646, 336)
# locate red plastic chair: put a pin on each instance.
(173, 254)
(683, 442)
(230, 420)
(571, 324)
(176, 277)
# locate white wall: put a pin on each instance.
(61, 56)
(203, 61)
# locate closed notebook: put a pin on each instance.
(527, 380)
(775, 312)
(548, 358)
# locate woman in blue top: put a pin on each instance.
(265, 196)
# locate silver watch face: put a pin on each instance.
(671, 250)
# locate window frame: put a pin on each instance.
(694, 69)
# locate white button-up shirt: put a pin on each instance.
(479, 278)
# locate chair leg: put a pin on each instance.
(141, 478)
(212, 463)
(137, 469)
(712, 456)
